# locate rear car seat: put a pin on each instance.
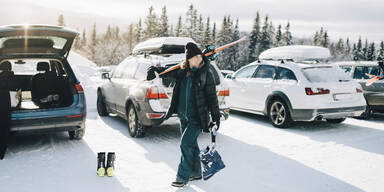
(45, 87)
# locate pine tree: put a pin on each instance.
(171, 31)
(224, 36)
(77, 42)
(325, 41)
(191, 22)
(371, 52)
(316, 39)
(92, 46)
(365, 50)
(129, 38)
(355, 50)
(213, 40)
(254, 39)
(279, 37)
(83, 39)
(358, 52)
(339, 49)
(347, 50)
(164, 23)
(108, 33)
(265, 38)
(151, 23)
(235, 52)
(380, 52)
(287, 36)
(138, 32)
(207, 33)
(200, 30)
(179, 28)
(60, 20)
(272, 34)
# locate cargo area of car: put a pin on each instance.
(36, 84)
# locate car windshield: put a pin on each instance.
(325, 74)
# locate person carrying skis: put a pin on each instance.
(194, 96)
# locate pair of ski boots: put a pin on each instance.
(105, 167)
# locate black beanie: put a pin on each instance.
(192, 50)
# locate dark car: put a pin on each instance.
(145, 103)
(374, 94)
(45, 93)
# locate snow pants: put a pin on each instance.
(5, 120)
(190, 160)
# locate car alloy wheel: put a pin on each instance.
(278, 113)
(134, 125)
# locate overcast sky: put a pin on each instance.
(341, 18)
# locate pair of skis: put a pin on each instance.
(105, 167)
(210, 53)
(375, 78)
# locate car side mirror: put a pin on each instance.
(105, 76)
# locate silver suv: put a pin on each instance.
(144, 103)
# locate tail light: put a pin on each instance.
(224, 92)
(155, 115)
(320, 91)
(155, 93)
(79, 89)
(358, 90)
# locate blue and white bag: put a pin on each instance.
(210, 158)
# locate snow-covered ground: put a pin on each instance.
(307, 157)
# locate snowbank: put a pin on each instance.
(296, 52)
(87, 73)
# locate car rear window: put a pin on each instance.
(325, 74)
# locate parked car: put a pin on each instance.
(287, 91)
(374, 94)
(33, 60)
(144, 103)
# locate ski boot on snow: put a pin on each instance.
(101, 164)
(110, 164)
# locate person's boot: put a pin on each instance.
(178, 182)
(196, 177)
(101, 164)
(110, 163)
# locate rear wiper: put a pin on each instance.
(343, 80)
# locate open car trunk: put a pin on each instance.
(38, 84)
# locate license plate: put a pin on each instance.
(340, 97)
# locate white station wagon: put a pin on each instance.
(287, 91)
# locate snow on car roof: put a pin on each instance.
(296, 53)
(157, 43)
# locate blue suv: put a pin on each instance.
(45, 93)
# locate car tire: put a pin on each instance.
(135, 128)
(101, 108)
(367, 113)
(335, 121)
(77, 134)
(279, 114)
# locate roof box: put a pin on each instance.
(296, 53)
(163, 45)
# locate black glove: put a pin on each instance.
(151, 73)
(217, 125)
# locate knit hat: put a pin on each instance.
(192, 50)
